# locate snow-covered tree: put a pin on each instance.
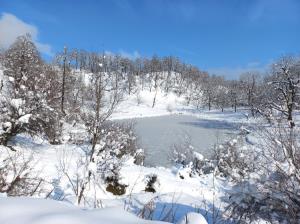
(23, 97)
(285, 84)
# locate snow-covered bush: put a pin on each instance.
(17, 175)
(23, 97)
(151, 181)
(271, 191)
(185, 156)
(120, 140)
(235, 160)
(117, 144)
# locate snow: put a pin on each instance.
(179, 195)
(193, 218)
(175, 198)
(41, 211)
(199, 156)
(131, 108)
(11, 79)
(172, 192)
(6, 124)
(25, 118)
(139, 105)
(17, 103)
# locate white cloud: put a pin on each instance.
(235, 72)
(45, 48)
(11, 27)
(125, 54)
(129, 55)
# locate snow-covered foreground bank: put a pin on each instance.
(41, 211)
(177, 192)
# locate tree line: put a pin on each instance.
(269, 93)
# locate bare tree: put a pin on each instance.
(17, 175)
(64, 57)
(249, 83)
(285, 80)
(103, 106)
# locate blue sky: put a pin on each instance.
(225, 36)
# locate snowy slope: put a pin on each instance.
(41, 211)
(134, 106)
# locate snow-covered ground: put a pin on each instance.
(140, 105)
(177, 193)
(40, 211)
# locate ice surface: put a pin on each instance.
(158, 134)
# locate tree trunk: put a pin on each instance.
(154, 99)
(235, 105)
(63, 82)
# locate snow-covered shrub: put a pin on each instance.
(117, 144)
(120, 141)
(235, 160)
(17, 176)
(48, 123)
(185, 156)
(147, 212)
(23, 97)
(151, 181)
(272, 190)
(75, 133)
(116, 188)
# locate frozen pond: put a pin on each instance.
(157, 135)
